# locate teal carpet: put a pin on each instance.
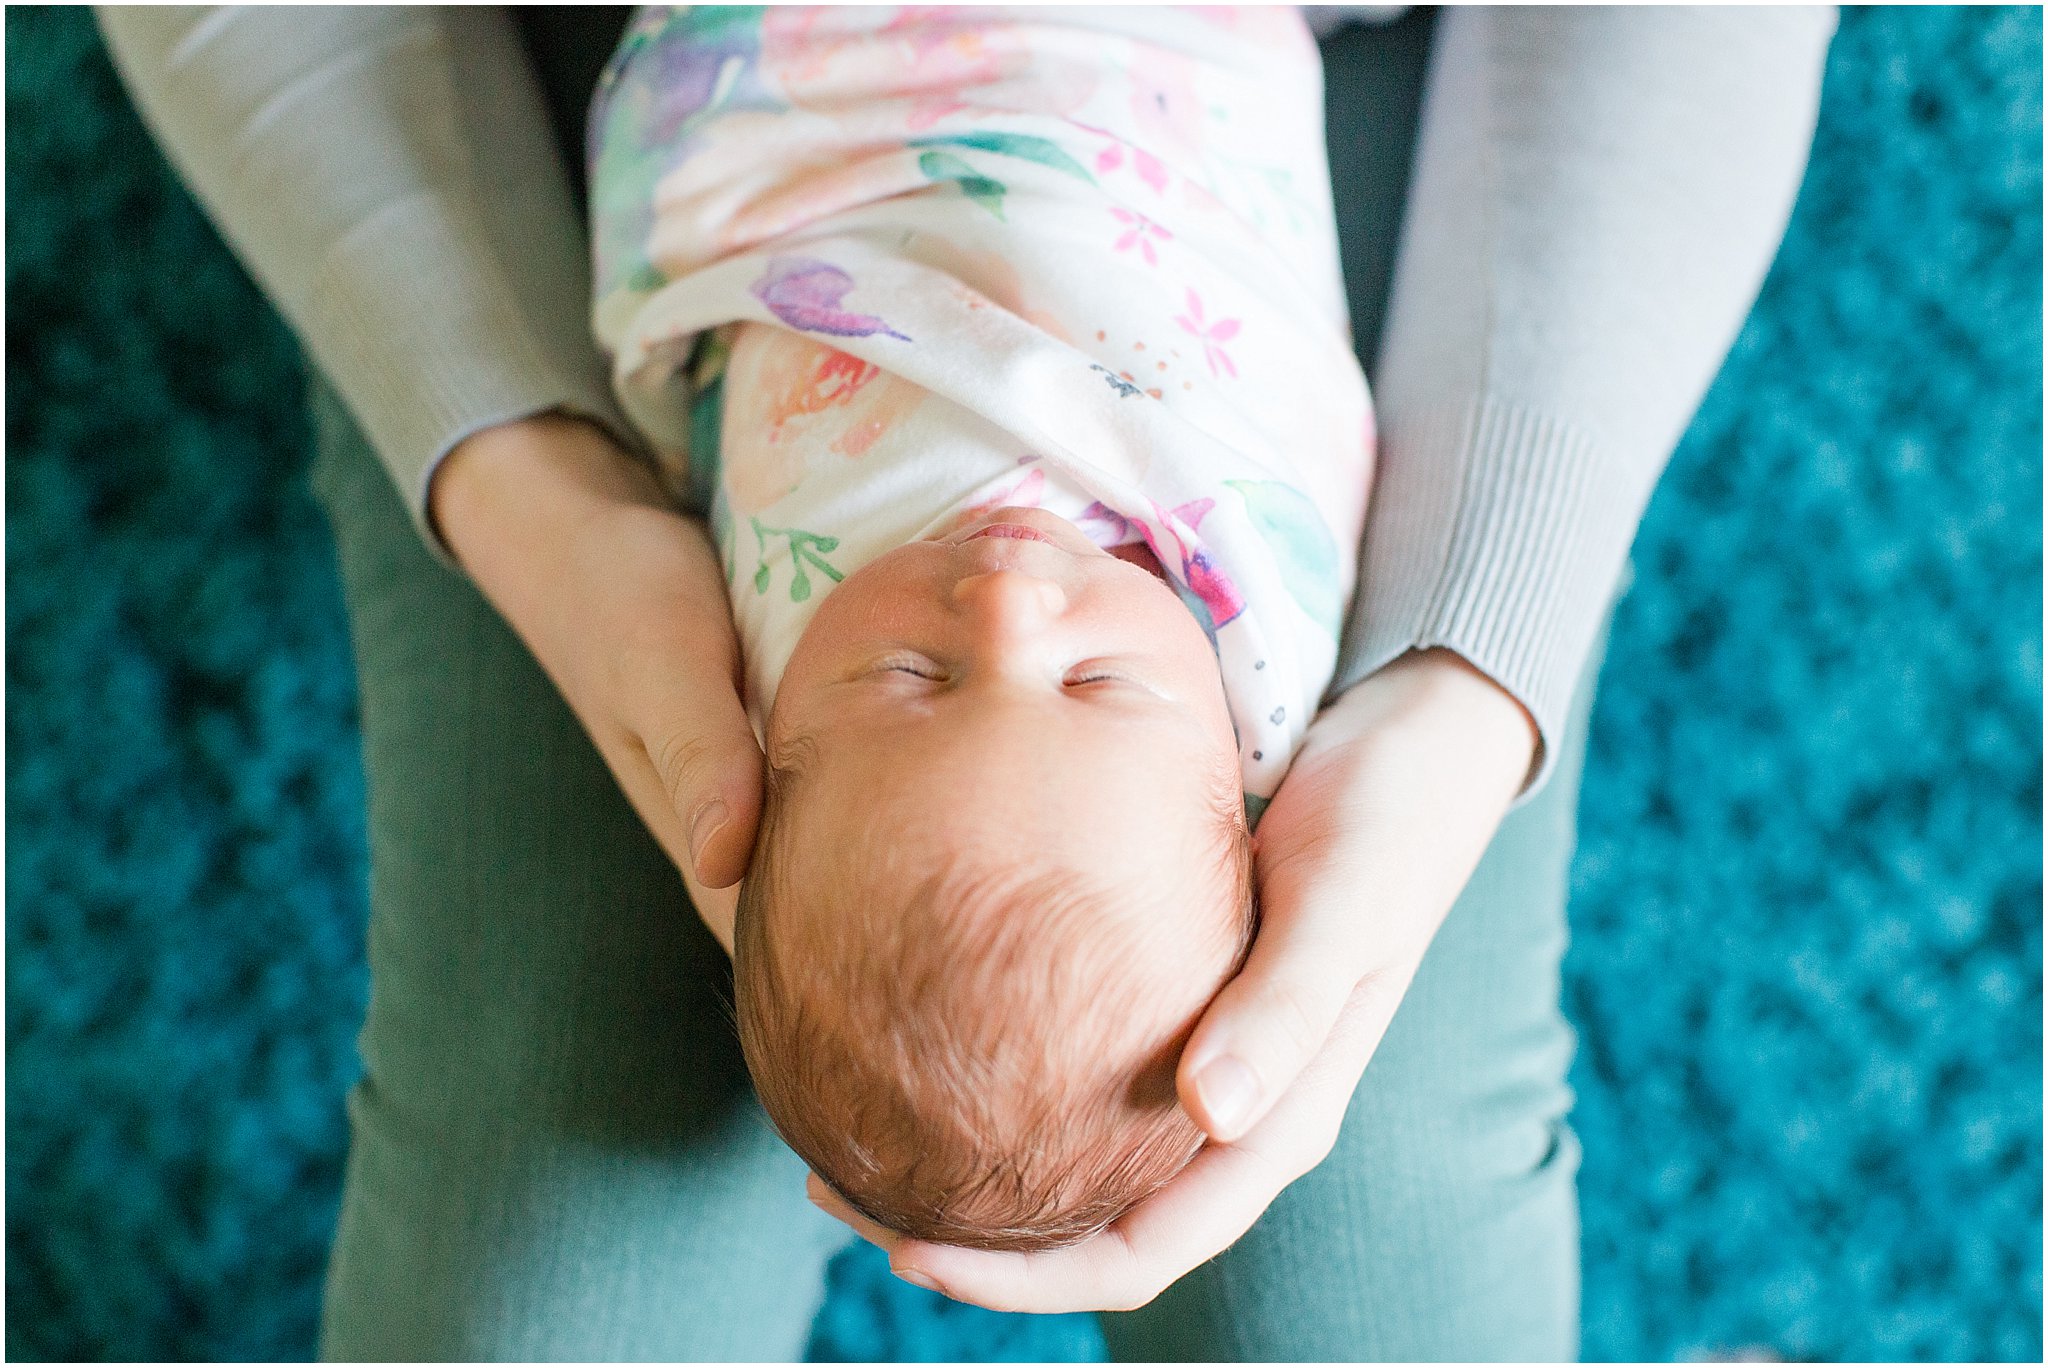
(1807, 958)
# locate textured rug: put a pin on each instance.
(1807, 965)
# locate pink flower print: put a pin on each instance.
(1028, 492)
(1139, 232)
(1213, 589)
(1150, 169)
(1212, 335)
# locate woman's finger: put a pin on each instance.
(644, 790)
(1194, 1218)
(1267, 1023)
(711, 772)
(837, 1207)
(717, 907)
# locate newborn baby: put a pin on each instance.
(1006, 353)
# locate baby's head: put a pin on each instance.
(1002, 869)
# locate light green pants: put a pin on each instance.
(557, 1152)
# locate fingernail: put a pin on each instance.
(1228, 1092)
(920, 1278)
(705, 825)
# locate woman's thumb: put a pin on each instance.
(1263, 1028)
(711, 769)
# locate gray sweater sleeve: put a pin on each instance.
(389, 178)
(1597, 195)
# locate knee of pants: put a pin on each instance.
(1420, 1243)
(483, 1244)
(1442, 1227)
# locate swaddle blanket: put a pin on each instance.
(1082, 259)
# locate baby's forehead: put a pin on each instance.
(1127, 794)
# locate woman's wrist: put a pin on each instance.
(1437, 696)
(572, 540)
(539, 476)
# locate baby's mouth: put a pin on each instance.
(1027, 524)
(1020, 532)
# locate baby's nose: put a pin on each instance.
(1010, 595)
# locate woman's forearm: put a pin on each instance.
(1597, 196)
(388, 176)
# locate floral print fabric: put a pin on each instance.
(1078, 258)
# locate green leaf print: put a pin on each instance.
(804, 548)
(944, 166)
(707, 424)
(721, 528)
(717, 21)
(643, 278)
(1303, 549)
(1041, 150)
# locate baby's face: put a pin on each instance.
(1011, 688)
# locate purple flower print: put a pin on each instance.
(1211, 335)
(1204, 579)
(1139, 232)
(805, 293)
(1104, 525)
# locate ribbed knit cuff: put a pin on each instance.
(420, 379)
(1498, 532)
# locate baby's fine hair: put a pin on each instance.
(978, 1055)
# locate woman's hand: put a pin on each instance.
(622, 601)
(1394, 797)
